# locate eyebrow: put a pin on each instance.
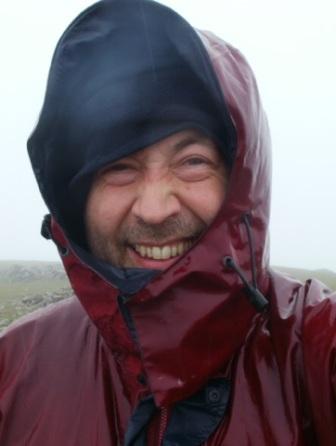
(188, 140)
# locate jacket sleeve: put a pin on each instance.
(319, 350)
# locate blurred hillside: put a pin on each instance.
(324, 275)
(27, 286)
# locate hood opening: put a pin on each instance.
(156, 80)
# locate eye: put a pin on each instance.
(195, 161)
(119, 174)
(194, 168)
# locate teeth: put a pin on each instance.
(163, 252)
(166, 252)
(156, 253)
(149, 252)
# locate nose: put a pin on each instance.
(156, 202)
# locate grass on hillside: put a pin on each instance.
(21, 296)
(11, 295)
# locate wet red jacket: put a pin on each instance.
(74, 373)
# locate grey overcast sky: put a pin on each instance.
(291, 47)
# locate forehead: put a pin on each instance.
(177, 142)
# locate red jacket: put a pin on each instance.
(74, 374)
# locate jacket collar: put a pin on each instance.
(185, 325)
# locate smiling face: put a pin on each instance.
(147, 209)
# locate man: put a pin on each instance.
(152, 154)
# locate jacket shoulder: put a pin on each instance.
(42, 331)
(292, 296)
(319, 317)
(303, 321)
(67, 308)
(54, 362)
(319, 347)
(309, 305)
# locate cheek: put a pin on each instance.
(106, 211)
(205, 199)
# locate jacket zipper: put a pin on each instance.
(164, 413)
(163, 424)
(122, 302)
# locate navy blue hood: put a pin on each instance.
(125, 74)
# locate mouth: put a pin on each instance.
(164, 252)
(159, 256)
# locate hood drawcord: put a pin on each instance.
(255, 296)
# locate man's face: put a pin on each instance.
(147, 209)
